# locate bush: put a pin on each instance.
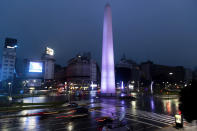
(188, 99)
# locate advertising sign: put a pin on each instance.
(49, 51)
(35, 67)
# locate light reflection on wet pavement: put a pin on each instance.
(146, 112)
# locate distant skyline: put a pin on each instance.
(163, 31)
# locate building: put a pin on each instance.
(8, 60)
(33, 72)
(162, 73)
(37, 71)
(146, 71)
(49, 61)
(127, 74)
(188, 75)
(194, 74)
(60, 73)
(82, 70)
(127, 70)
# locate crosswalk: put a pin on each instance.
(148, 118)
(160, 118)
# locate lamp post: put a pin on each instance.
(10, 91)
(9, 84)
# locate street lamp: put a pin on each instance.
(9, 84)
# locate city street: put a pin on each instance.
(149, 113)
(104, 65)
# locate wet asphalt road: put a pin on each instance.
(145, 114)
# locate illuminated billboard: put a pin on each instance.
(35, 67)
(49, 51)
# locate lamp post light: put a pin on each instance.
(9, 84)
(151, 87)
(10, 91)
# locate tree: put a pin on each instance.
(188, 99)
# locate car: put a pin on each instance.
(73, 105)
(127, 97)
(97, 100)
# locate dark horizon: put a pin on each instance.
(161, 31)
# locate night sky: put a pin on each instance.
(164, 31)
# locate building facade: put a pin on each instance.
(49, 61)
(37, 71)
(82, 70)
(163, 73)
(33, 72)
(8, 60)
(127, 70)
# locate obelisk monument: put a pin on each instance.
(107, 73)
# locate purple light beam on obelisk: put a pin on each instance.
(107, 74)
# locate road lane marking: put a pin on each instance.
(136, 120)
(154, 118)
(163, 121)
(151, 115)
(144, 122)
(151, 120)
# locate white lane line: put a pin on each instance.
(139, 111)
(144, 122)
(163, 121)
(163, 117)
(156, 118)
(158, 121)
(135, 120)
(166, 122)
(152, 115)
(151, 119)
(159, 115)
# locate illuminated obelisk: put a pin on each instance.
(107, 73)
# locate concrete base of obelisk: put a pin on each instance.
(109, 95)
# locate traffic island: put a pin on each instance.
(114, 95)
(28, 106)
